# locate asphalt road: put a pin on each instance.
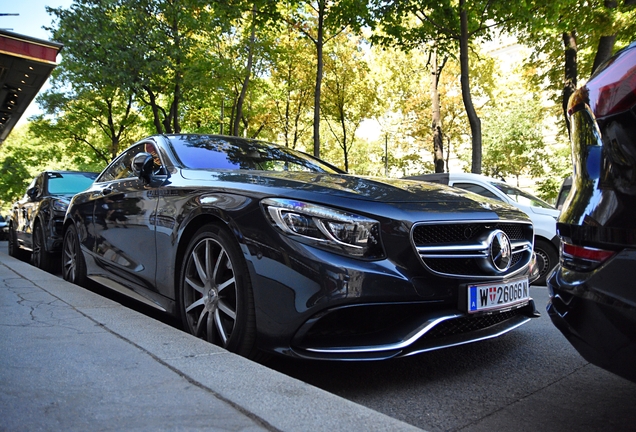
(527, 380)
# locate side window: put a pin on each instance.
(121, 167)
(150, 148)
(480, 190)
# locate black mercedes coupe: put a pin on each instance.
(259, 248)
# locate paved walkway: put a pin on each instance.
(72, 360)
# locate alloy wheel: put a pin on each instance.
(38, 247)
(69, 258)
(210, 292)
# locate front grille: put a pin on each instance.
(462, 249)
(464, 267)
(453, 233)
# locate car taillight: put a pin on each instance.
(583, 258)
(612, 90)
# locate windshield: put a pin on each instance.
(213, 152)
(69, 183)
(522, 197)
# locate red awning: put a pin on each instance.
(25, 65)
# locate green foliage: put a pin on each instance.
(131, 68)
(560, 167)
(589, 21)
(349, 92)
(513, 139)
(290, 88)
(24, 155)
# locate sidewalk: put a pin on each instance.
(75, 361)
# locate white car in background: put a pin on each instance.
(542, 214)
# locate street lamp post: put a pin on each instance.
(222, 116)
(386, 155)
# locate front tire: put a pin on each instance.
(547, 258)
(73, 264)
(40, 257)
(215, 296)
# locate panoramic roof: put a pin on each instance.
(25, 65)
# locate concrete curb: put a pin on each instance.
(272, 400)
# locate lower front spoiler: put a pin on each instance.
(444, 331)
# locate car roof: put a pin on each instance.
(68, 172)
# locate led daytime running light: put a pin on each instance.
(326, 227)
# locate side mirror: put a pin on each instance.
(32, 193)
(142, 166)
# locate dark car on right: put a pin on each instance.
(593, 289)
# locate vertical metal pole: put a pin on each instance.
(386, 155)
(222, 115)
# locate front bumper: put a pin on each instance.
(368, 312)
(423, 332)
(312, 303)
(596, 312)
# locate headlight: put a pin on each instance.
(326, 228)
(59, 205)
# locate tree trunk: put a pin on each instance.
(319, 68)
(345, 148)
(571, 73)
(248, 73)
(174, 110)
(438, 139)
(178, 77)
(473, 118)
(155, 110)
(606, 42)
(604, 50)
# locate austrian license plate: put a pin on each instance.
(495, 296)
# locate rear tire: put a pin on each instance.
(215, 298)
(73, 264)
(547, 258)
(40, 257)
(14, 248)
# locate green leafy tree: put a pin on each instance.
(23, 155)
(320, 21)
(454, 25)
(290, 90)
(101, 120)
(88, 102)
(254, 39)
(513, 138)
(350, 94)
(403, 108)
(571, 38)
(560, 167)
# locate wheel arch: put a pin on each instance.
(538, 237)
(190, 230)
(67, 221)
(37, 223)
(550, 252)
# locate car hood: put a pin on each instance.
(304, 185)
(545, 211)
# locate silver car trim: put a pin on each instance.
(418, 333)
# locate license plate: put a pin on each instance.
(495, 296)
